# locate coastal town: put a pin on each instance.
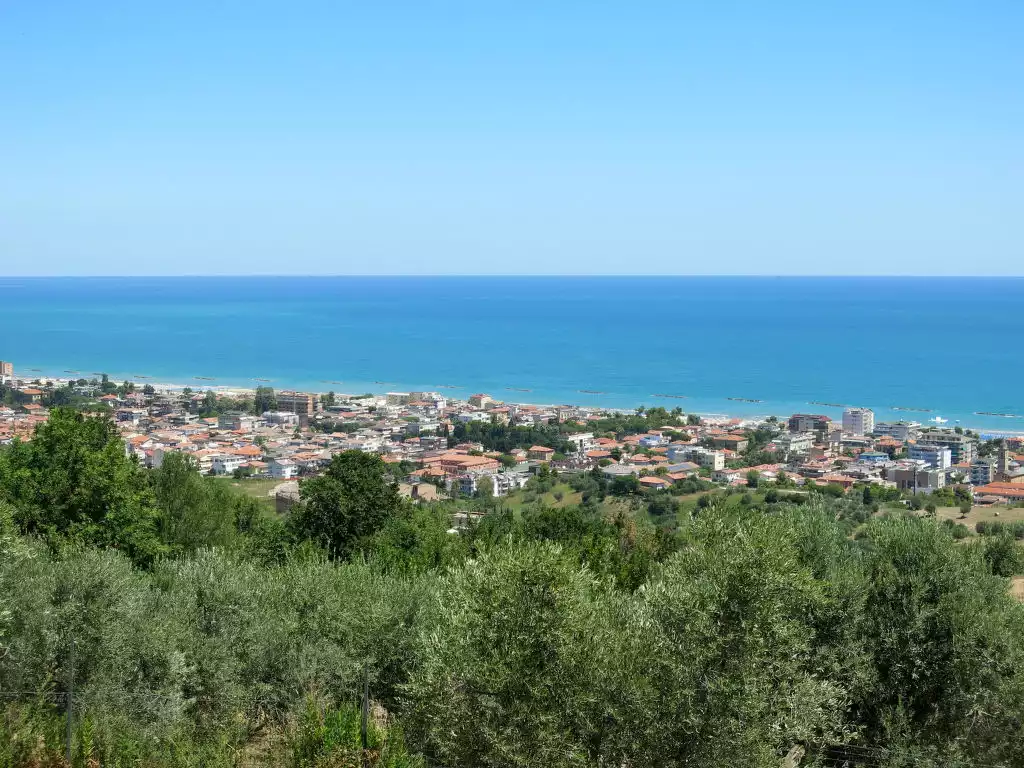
(287, 435)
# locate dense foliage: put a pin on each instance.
(536, 637)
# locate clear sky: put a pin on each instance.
(491, 136)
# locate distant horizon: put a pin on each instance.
(512, 276)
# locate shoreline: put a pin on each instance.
(701, 406)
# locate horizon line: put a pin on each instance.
(509, 275)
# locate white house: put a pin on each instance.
(227, 463)
(582, 442)
(282, 469)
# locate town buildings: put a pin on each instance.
(416, 431)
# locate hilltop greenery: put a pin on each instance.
(198, 631)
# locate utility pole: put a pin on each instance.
(365, 710)
(69, 698)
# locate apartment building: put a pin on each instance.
(916, 478)
(898, 430)
(984, 471)
(704, 457)
(299, 403)
(962, 448)
(937, 456)
(858, 421)
(808, 422)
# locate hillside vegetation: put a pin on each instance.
(196, 629)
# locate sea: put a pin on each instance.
(950, 348)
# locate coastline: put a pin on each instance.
(708, 407)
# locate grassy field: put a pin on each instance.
(257, 488)
(981, 514)
(570, 498)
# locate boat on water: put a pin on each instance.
(938, 420)
(744, 400)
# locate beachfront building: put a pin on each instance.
(858, 421)
(898, 430)
(962, 447)
(299, 403)
(808, 422)
(480, 400)
(6, 372)
(397, 398)
(938, 456)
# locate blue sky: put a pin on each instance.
(563, 137)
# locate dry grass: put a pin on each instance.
(1017, 588)
(981, 514)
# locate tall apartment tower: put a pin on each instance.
(858, 421)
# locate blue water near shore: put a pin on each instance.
(945, 344)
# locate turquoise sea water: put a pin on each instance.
(949, 345)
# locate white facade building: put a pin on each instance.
(936, 456)
(858, 421)
(705, 457)
(582, 442)
(282, 469)
(227, 463)
(898, 430)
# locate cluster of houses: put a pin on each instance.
(300, 437)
